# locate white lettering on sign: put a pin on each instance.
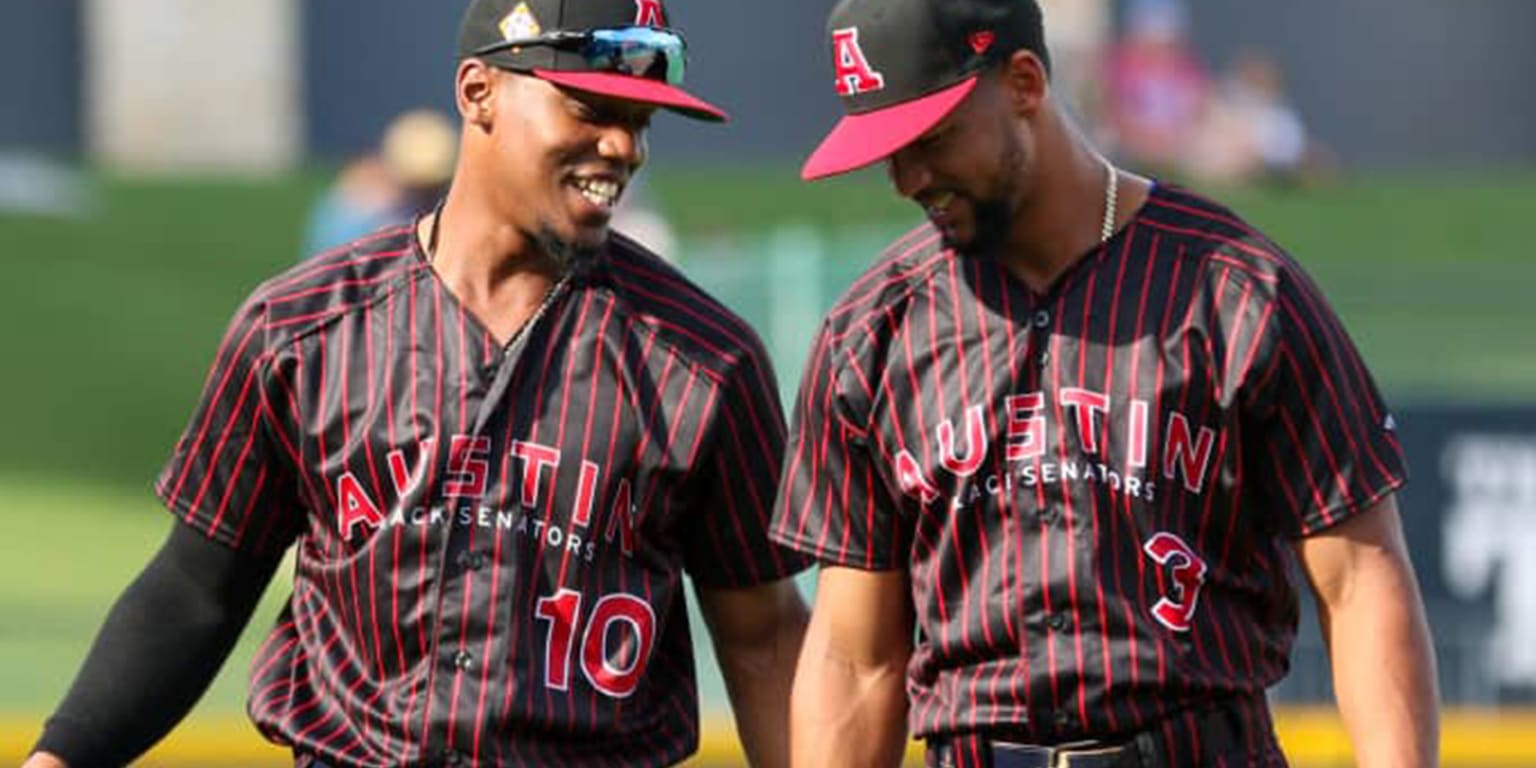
(1490, 542)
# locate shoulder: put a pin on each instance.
(875, 305)
(686, 318)
(332, 283)
(1214, 237)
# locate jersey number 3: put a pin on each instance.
(1175, 611)
(624, 618)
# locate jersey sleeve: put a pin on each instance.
(726, 537)
(833, 503)
(227, 477)
(1325, 446)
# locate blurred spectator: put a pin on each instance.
(1158, 88)
(1251, 132)
(406, 175)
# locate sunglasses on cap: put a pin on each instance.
(634, 51)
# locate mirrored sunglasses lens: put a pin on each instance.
(638, 52)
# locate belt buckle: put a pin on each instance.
(1007, 754)
(1088, 754)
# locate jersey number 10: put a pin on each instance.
(634, 621)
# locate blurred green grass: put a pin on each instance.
(71, 547)
(109, 320)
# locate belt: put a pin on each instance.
(1217, 731)
(1003, 754)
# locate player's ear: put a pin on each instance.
(1025, 80)
(474, 91)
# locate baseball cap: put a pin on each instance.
(900, 66)
(619, 48)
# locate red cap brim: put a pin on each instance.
(869, 137)
(638, 89)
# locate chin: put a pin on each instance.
(592, 236)
(573, 248)
(958, 240)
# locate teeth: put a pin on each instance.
(940, 203)
(600, 192)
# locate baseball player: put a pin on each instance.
(496, 439)
(1056, 447)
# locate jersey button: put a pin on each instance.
(1042, 319)
(1057, 622)
(471, 561)
(1061, 718)
(463, 660)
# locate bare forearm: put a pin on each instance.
(1384, 671)
(758, 678)
(847, 716)
(757, 633)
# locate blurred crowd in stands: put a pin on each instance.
(1137, 85)
(1148, 97)
(409, 171)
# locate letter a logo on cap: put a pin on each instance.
(648, 13)
(854, 74)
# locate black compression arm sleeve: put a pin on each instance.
(160, 647)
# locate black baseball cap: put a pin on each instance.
(619, 48)
(900, 66)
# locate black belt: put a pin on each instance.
(1218, 731)
(1003, 754)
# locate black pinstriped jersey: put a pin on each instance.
(490, 541)
(1093, 488)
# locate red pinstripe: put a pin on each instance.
(466, 603)
(217, 395)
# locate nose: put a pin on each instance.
(623, 143)
(908, 173)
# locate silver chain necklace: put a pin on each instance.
(549, 299)
(1110, 191)
(549, 296)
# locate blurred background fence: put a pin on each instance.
(160, 157)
